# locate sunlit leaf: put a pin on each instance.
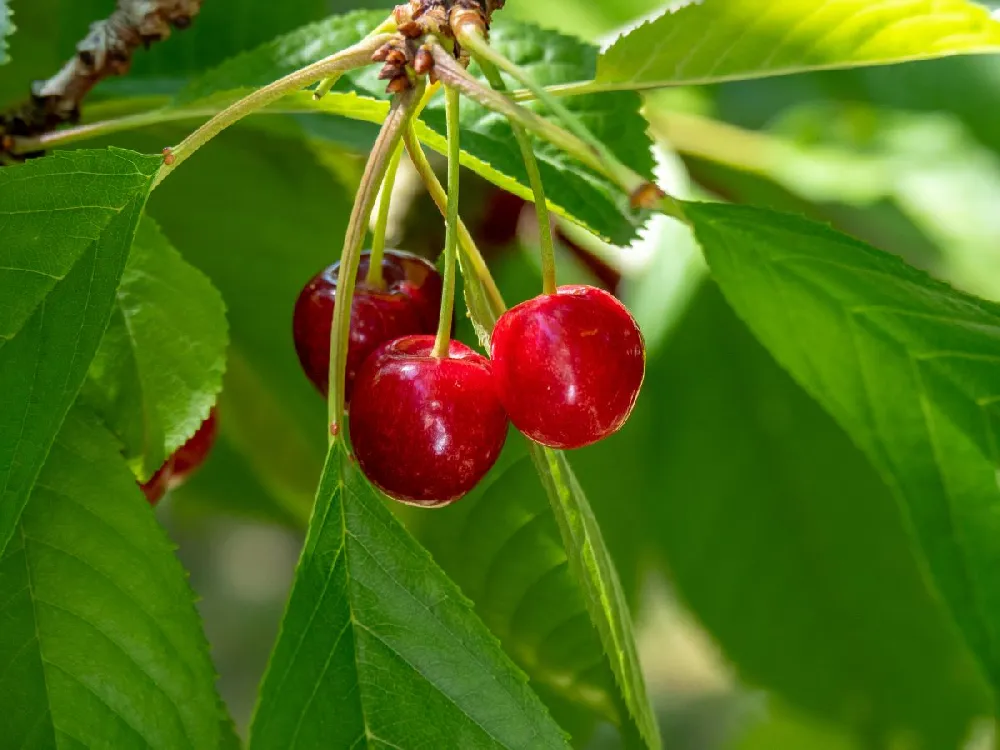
(720, 40)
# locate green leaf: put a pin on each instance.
(160, 365)
(101, 644)
(501, 545)
(259, 245)
(7, 28)
(67, 221)
(591, 565)
(376, 629)
(783, 541)
(488, 144)
(723, 40)
(906, 364)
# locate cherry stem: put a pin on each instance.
(641, 191)
(470, 251)
(388, 139)
(546, 241)
(443, 339)
(374, 277)
(353, 57)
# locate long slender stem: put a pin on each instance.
(374, 277)
(468, 245)
(388, 139)
(546, 241)
(353, 57)
(443, 340)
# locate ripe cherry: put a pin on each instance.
(408, 304)
(190, 456)
(568, 366)
(183, 463)
(425, 429)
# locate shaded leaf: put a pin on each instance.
(720, 40)
(594, 570)
(101, 644)
(374, 627)
(906, 364)
(159, 368)
(783, 541)
(67, 221)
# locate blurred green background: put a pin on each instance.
(778, 599)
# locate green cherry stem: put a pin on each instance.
(443, 339)
(353, 57)
(388, 139)
(546, 241)
(470, 251)
(374, 277)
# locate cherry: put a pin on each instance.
(568, 366)
(183, 463)
(425, 430)
(190, 456)
(407, 305)
(157, 485)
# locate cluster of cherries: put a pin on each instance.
(565, 369)
(187, 459)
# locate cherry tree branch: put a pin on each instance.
(106, 51)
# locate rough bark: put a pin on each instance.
(106, 51)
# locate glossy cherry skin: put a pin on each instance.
(408, 304)
(426, 430)
(186, 460)
(568, 366)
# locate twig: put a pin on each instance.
(106, 51)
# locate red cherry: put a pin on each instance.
(190, 456)
(186, 460)
(407, 305)
(425, 430)
(568, 366)
(156, 487)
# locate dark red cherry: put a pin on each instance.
(425, 430)
(186, 460)
(158, 484)
(568, 366)
(190, 456)
(408, 304)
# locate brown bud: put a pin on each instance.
(398, 85)
(424, 61)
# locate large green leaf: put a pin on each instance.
(488, 143)
(906, 364)
(376, 629)
(720, 40)
(784, 542)
(101, 646)
(159, 368)
(6, 29)
(67, 223)
(501, 545)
